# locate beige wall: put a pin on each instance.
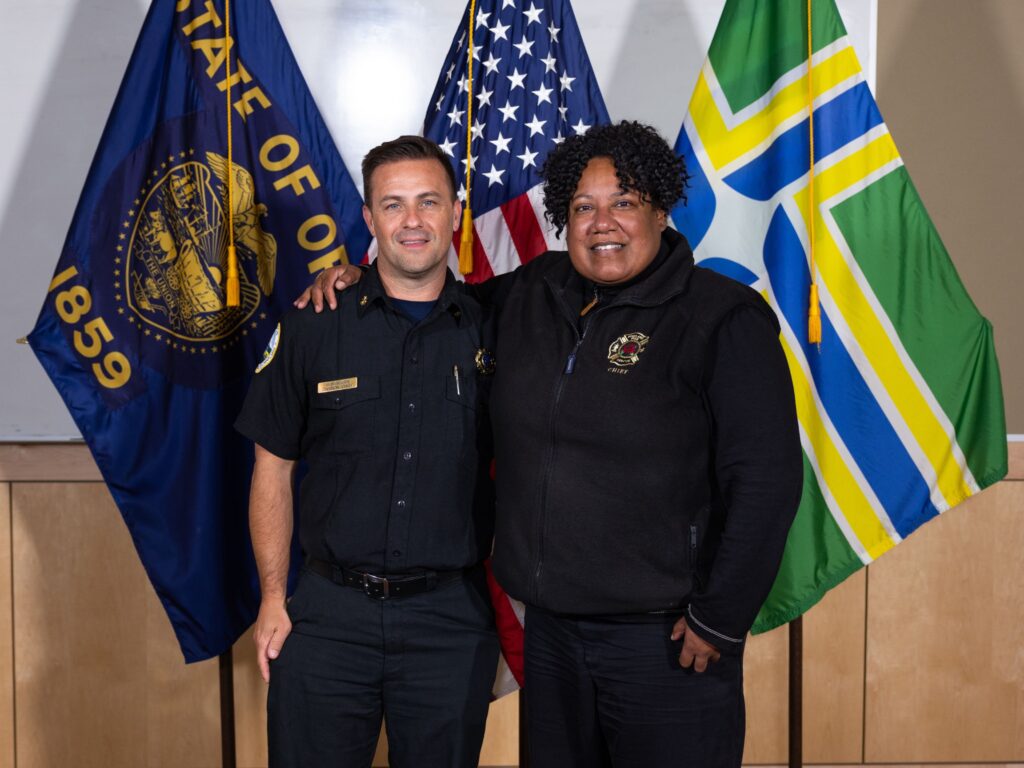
(915, 660)
(951, 89)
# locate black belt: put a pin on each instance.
(383, 587)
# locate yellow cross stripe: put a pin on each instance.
(853, 504)
(724, 145)
(849, 295)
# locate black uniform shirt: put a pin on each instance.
(390, 417)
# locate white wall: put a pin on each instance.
(62, 61)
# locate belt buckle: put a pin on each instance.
(381, 581)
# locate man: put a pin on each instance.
(384, 400)
(648, 467)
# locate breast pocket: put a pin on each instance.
(347, 418)
(460, 407)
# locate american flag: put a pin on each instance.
(532, 86)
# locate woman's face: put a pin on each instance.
(612, 235)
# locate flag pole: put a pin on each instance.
(796, 692)
(227, 709)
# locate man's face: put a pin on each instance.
(412, 214)
(612, 235)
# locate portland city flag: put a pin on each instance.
(138, 332)
(900, 405)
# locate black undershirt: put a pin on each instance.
(415, 311)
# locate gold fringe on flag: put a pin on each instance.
(232, 286)
(466, 236)
(814, 309)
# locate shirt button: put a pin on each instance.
(401, 502)
(415, 358)
(412, 407)
(396, 553)
(407, 455)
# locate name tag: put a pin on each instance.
(337, 385)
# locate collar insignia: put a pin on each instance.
(625, 350)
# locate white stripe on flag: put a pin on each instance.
(536, 196)
(496, 241)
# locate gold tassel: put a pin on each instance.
(814, 317)
(232, 283)
(466, 242)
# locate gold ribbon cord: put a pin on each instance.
(814, 309)
(466, 232)
(232, 287)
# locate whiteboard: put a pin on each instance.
(371, 66)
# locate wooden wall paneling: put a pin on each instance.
(250, 706)
(501, 739)
(766, 687)
(945, 658)
(834, 674)
(47, 462)
(6, 633)
(833, 683)
(1015, 456)
(99, 679)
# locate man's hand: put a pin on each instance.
(272, 627)
(696, 650)
(326, 283)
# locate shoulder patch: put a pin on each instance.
(271, 350)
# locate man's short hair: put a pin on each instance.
(403, 148)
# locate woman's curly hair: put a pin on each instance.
(644, 163)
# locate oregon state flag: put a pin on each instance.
(134, 330)
(900, 406)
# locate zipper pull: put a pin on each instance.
(570, 364)
(458, 386)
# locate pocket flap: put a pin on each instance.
(366, 388)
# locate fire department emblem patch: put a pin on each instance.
(625, 350)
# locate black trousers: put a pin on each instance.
(424, 663)
(610, 692)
